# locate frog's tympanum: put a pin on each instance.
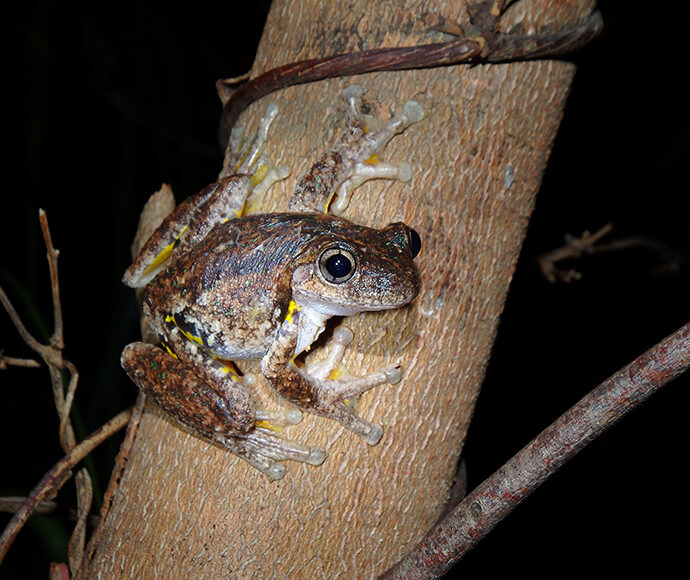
(223, 286)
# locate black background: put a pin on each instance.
(105, 101)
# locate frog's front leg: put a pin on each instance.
(217, 407)
(354, 159)
(310, 389)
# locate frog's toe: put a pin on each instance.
(264, 449)
(374, 435)
(413, 112)
(316, 457)
(241, 447)
(393, 374)
(292, 416)
(273, 470)
(352, 92)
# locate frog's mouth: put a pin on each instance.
(349, 306)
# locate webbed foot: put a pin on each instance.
(265, 451)
(355, 158)
(338, 390)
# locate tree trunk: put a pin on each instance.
(187, 509)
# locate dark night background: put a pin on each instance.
(106, 101)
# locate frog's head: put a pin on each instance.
(357, 269)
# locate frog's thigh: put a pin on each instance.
(209, 408)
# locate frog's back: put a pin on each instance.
(230, 291)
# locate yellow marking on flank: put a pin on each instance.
(186, 334)
(292, 307)
(373, 160)
(170, 352)
(328, 202)
(336, 373)
(228, 367)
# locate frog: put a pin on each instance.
(222, 285)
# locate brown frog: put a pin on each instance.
(220, 286)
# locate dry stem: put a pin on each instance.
(52, 356)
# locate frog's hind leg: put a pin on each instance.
(354, 159)
(220, 410)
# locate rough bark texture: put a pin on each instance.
(187, 509)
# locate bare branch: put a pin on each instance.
(10, 361)
(47, 353)
(588, 244)
(67, 406)
(77, 541)
(573, 248)
(52, 254)
(52, 355)
(496, 497)
(11, 504)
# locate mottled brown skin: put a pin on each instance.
(232, 289)
(174, 384)
(318, 183)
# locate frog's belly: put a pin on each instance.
(249, 344)
(236, 352)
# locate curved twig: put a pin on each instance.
(483, 44)
(496, 497)
(52, 355)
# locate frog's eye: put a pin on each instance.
(337, 265)
(415, 243)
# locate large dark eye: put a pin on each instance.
(415, 243)
(337, 265)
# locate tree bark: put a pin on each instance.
(186, 509)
